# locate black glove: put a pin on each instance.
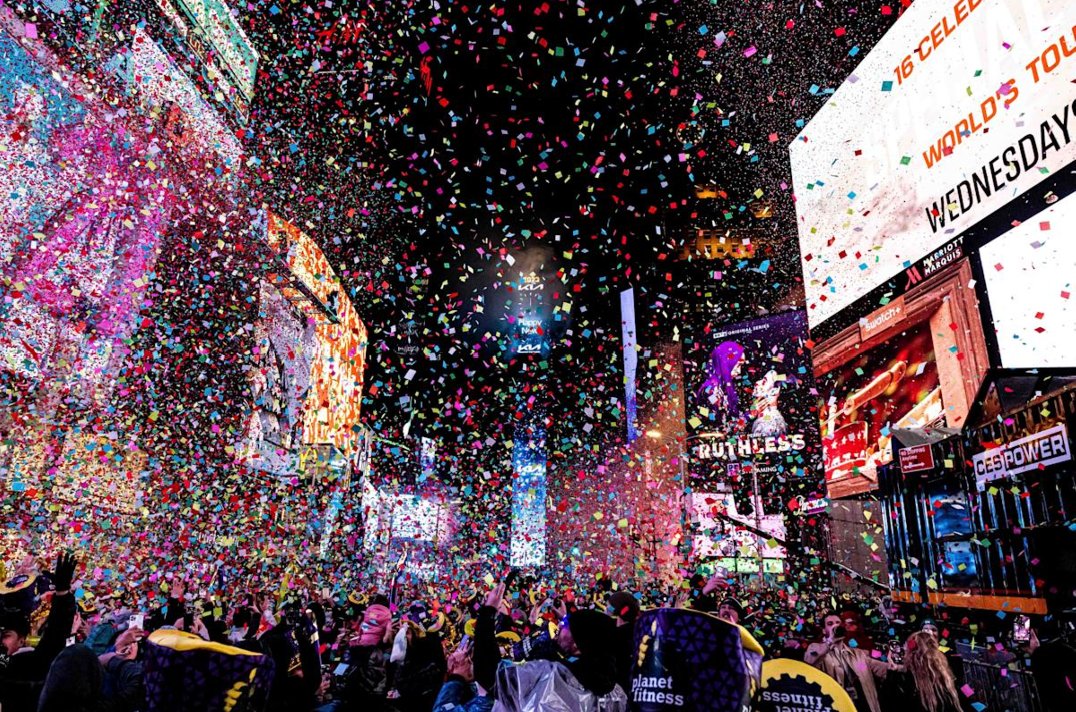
(65, 572)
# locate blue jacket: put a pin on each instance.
(458, 696)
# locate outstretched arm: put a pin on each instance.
(487, 656)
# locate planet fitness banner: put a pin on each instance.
(692, 662)
(792, 686)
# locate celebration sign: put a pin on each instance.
(970, 103)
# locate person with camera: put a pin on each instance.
(853, 668)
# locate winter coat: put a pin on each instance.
(458, 696)
(74, 683)
(21, 680)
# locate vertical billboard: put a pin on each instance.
(1029, 284)
(528, 498)
(530, 323)
(750, 403)
(284, 348)
(82, 218)
(629, 342)
(960, 107)
(332, 408)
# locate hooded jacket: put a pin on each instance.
(74, 682)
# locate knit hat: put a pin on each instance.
(734, 605)
(624, 605)
(374, 624)
(591, 630)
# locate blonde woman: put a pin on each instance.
(927, 683)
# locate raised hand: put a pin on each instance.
(460, 663)
(64, 573)
(496, 596)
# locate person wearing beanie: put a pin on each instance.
(625, 608)
(74, 682)
(731, 611)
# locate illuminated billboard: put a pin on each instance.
(960, 107)
(1029, 284)
(719, 538)
(629, 342)
(528, 498)
(332, 407)
(284, 347)
(749, 402)
(530, 322)
(893, 385)
(219, 41)
(915, 362)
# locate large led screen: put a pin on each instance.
(528, 498)
(895, 384)
(1030, 275)
(750, 401)
(961, 106)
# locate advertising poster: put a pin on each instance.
(528, 498)
(1029, 284)
(970, 103)
(735, 548)
(750, 401)
(895, 384)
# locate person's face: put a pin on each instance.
(565, 641)
(728, 614)
(932, 630)
(831, 623)
(12, 641)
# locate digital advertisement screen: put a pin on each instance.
(1030, 274)
(528, 498)
(960, 107)
(284, 347)
(530, 322)
(333, 405)
(418, 518)
(749, 400)
(629, 341)
(894, 384)
(717, 533)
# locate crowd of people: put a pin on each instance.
(513, 643)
